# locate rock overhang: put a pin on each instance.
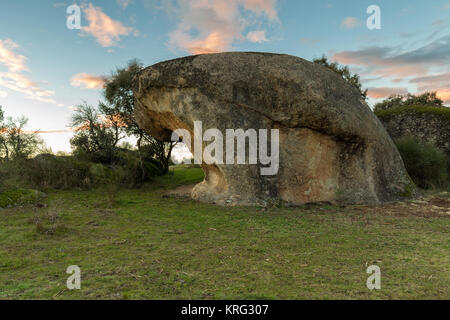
(332, 147)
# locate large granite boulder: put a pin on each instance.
(332, 148)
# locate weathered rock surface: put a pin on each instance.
(332, 147)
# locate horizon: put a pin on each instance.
(47, 69)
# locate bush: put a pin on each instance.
(136, 171)
(425, 163)
(344, 72)
(18, 197)
(109, 178)
(428, 99)
(49, 171)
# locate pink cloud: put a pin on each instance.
(14, 79)
(350, 23)
(378, 93)
(218, 23)
(13, 61)
(88, 81)
(444, 94)
(257, 36)
(106, 30)
(437, 82)
(417, 66)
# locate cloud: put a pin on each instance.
(267, 7)
(444, 94)
(438, 82)
(106, 30)
(350, 23)
(387, 61)
(427, 67)
(14, 62)
(3, 94)
(14, 79)
(209, 26)
(378, 93)
(124, 3)
(88, 81)
(257, 36)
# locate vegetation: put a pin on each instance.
(344, 72)
(118, 92)
(17, 197)
(134, 243)
(443, 112)
(96, 138)
(95, 153)
(425, 163)
(15, 143)
(100, 130)
(150, 247)
(427, 99)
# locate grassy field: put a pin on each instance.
(150, 246)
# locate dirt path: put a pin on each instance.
(181, 191)
(433, 204)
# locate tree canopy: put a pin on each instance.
(429, 99)
(99, 130)
(344, 72)
(16, 143)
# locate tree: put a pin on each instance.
(345, 73)
(15, 143)
(97, 136)
(118, 92)
(3, 145)
(429, 99)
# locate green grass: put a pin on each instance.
(16, 197)
(150, 247)
(443, 112)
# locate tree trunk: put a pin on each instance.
(138, 144)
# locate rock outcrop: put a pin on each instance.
(426, 124)
(332, 147)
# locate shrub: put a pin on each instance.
(344, 72)
(49, 171)
(48, 222)
(17, 197)
(136, 170)
(425, 163)
(428, 99)
(109, 178)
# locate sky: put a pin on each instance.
(47, 69)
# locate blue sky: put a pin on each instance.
(47, 69)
